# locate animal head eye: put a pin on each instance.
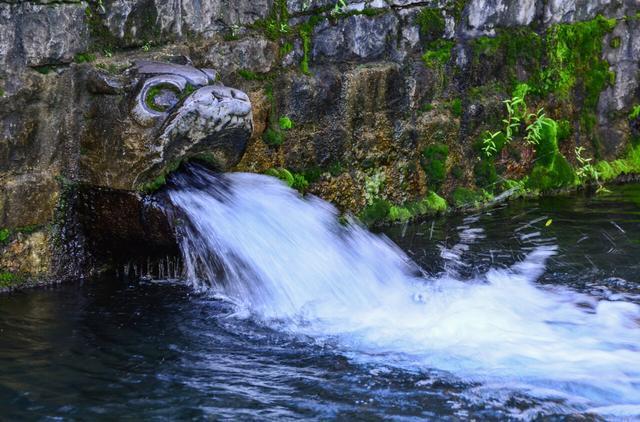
(162, 97)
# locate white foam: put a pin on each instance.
(286, 259)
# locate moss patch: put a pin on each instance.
(438, 53)
(434, 164)
(431, 23)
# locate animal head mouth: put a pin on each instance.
(183, 101)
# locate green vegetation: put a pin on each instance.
(156, 90)
(551, 170)
(456, 107)
(9, 279)
(574, 59)
(635, 112)
(305, 31)
(84, 58)
(434, 164)
(276, 24)
(273, 137)
(486, 175)
(630, 164)
(615, 42)
(44, 70)
(286, 48)
(250, 75)
(467, 198)
(285, 123)
(431, 23)
(5, 234)
(376, 212)
(338, 8)
(438, 53)
(296, 181)
(492, 143)
(381, 211)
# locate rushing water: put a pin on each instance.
(523, 311)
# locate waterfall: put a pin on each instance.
(288, 262)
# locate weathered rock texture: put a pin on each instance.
(387, 98)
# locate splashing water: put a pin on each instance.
(288, 262)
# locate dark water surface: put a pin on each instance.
(158, 350)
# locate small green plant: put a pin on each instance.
(431, 23)
(587, 172)
(534, 130)
(273, 137)
(434, 164)
(339, 8)
(438, 53)
(84, 58)
(5, 234)
(456, 107)
(296, 181)
(286, 48)
(490, 143)
(372, 186)
(285, 123)
(635, 112)
(146, 46)
(107, 53)
(249, 75)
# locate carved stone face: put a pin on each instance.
(175, 112)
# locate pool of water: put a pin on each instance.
(163, 350)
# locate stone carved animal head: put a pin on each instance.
(175, 112)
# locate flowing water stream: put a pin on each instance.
(526, 310)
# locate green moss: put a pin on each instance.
(84, 58)
(377, 212)
(9, 279)
(434, 164)
(5, 235)
(565, 130)
(431, 23)
(45, 70)
(306, 31)
(161, 180)
(381, 211)
(547, 147)
(467, 198)
(154, 91)
(397, 213)
(276, 25)
(615, 42)
(574, 59)
(27, 229)
(635, 112)
(431, 204)
(285, 123)
(630, 164)
(551, 169)
(273, 137)
(426, 108)
(485, 174)
(296, 181)
(456, 107)
(510, 47)
(286, 48)
(249, 75)
(438, 53)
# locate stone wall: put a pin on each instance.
(388, 99)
